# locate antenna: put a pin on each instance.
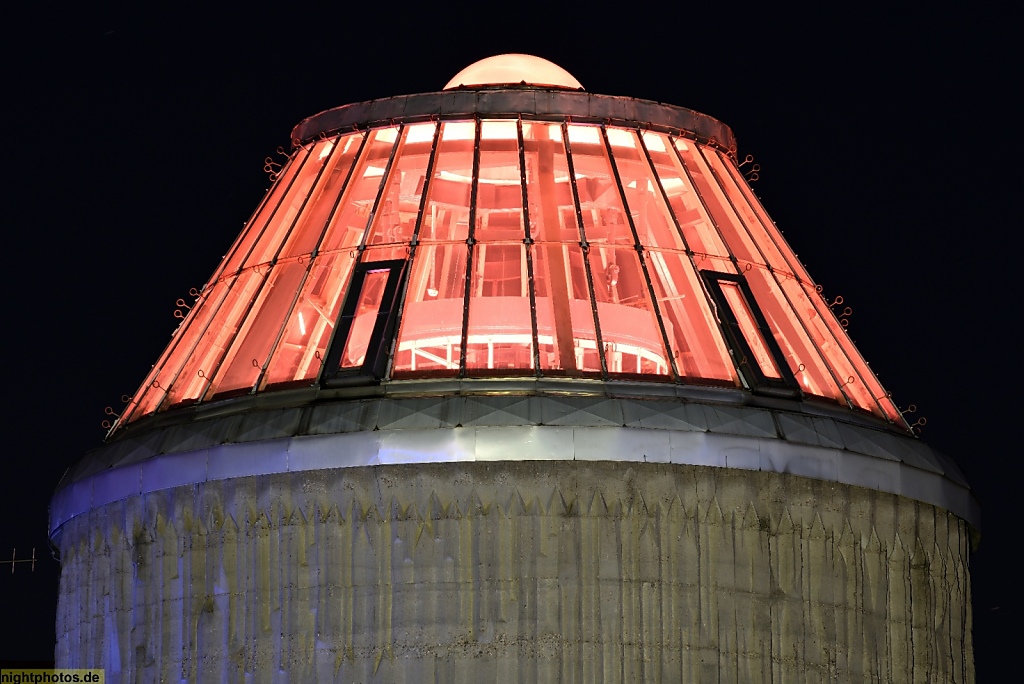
(15, 560)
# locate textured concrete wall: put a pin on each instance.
(518, 572)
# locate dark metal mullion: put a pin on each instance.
(640, 253)
(384, 179)
(470, 243)
(815, 304)
(585, 247)
(782, 290)
(312, 258)
(712, 305)
(213, 315)
(270, 270)
(528, 243)
(403, 286)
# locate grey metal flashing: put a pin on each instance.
(526, 103)
(459, 427)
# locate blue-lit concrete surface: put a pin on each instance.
(317, 435)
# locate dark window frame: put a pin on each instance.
(375, 361)
(743, 355)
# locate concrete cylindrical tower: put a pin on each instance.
(512, 382)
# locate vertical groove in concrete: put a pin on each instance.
(511, 572)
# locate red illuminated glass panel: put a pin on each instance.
(310, 324)
(566, 336)
(199, 368)
(629, 327)
(430, 337)
(500, 331)
(749, 329)
(697, 345)
(651, 217)
(367, 307)
(604, 221)
(718, 204)
(802, 356)
(698, 229)
(249, 352)
(552, 215)
(309, 228)
(446, 213)
(499, 194)
(353, 213)
(279, 227)
(395, 218)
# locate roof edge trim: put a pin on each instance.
(526, 103)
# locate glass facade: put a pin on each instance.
(509, 248)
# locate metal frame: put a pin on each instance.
(525, 102)
(585, 246)
(528, 242)
(375, 361)
(470, 247)
(757, 380)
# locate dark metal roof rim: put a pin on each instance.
(515, 103)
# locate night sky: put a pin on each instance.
(135, 147)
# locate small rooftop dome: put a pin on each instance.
(514, 69)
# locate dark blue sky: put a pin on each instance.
(135, 146)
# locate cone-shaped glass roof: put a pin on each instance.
(494, 245)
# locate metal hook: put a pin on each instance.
(106, 424)
(181, 302)
(749, 159)
(125, 399)
(835, 302)
(255, 363)
(849, 381)
(920, 423)
(910, 409)
(111, 412)
(271, 168)
(200, 373)
(193, 292)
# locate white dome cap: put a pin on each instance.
(514, 69)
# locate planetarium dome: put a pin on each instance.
(513, 381)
